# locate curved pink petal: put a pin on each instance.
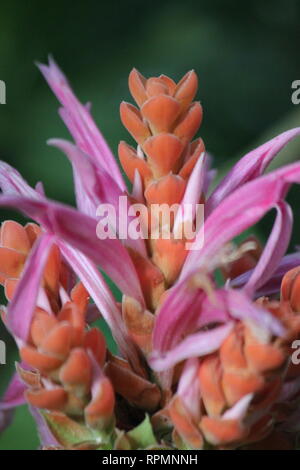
(194, 345)
(239, 409)
(93, 185)
(242, 308)
(252, 165)
(22, 306)
(177, 314)
(243, 208)
(14, 394)
(80, 123)
(12, 183)
(274, 250)
(13, 397)
(273, 284)
(209, 174)
(100, 293)
(79, 230)
(189, 388)
(46, 437)
(192, 193)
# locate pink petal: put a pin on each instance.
(192, 193)
(79, 230)
(189, 389)
(239, 410)
(94, 187)
(46, 437)
(195, 345)
(242, 308)
(14, 395)
(252, 165)
(274, 250)
(80, 123)
(272, 286)
(172, 320)
(12, 183)
(243, 208)
(22, 306)
(214, 309)
(100, 293)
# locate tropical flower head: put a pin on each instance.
(205, 364)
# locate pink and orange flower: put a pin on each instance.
(205, 365)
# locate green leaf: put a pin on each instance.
(70, 433)
(142, 436)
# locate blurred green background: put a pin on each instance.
(245, 53)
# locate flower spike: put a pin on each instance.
(205, 331)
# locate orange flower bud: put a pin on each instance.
(99, 413)
(76, 373)
(196, 149)
(163, 151)
(161, 111)
(11, 263)
(10, 286)
(139, 323)
(171, 85)
(133, 121)
(41, 361)
(262, 357)
(155, 86)
(54, 399)
(167, 190)
(71, 314)
(169, 256)
(190, 123)
(14, 236)
(184, 425)
(151, 279)
(186, 89)
(131, 162)
(290, 288)
(33, 232)
(137, 86)
(52, 269)
(222, 431)
(42, 323)
(238, 384)
(210, 377)
(58, 340)
(95, 341)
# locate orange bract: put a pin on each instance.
(163, 128)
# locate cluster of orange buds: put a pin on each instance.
(250, 363)
(16, 243)
(61, 349)
(245, 364)
(163, 127)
